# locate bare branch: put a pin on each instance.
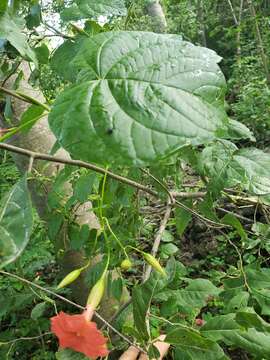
(56, 31)
(157, 240)
(56, 159)
(233, 13)
(112, 175)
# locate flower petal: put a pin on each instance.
(75, 332)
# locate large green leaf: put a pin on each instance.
(238, 131)
(15, 222)
(228, 166)
(224, 328)
(93, 9)
(191, 343)
(254, 167)
(214, 161)
(237, 302)
(197, 293)
(190, 299)
(11, 30)
(139, 97)
(252, 320)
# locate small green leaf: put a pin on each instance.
(42, 53)
(263, 298)
(78, 236)
(71, 13)
(11, 29)
(38, 310)
(84, 185)
(153, 352)
(33, 18)
(237, 302)
(214, 162)
(189, 340)
(167, 236)
(117, 288)
(30, 117)
(16, 220)
(182, 219)
(239, 131)
(167, 250)
(232, 220)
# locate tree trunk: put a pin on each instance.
(201, 21)
(41, 139)
(261, 50)
(155, 11)
(237, 23)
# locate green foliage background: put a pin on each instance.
(220, 276)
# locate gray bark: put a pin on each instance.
(201, 20)
(155, 11)
(261, 50)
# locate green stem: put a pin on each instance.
(102, 220)
(24, 97)
(102, 198)
(115, 237)
(21, 127)
(132, 247)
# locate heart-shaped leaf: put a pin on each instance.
(139, 97)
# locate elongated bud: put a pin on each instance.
(126, 265)
(154, 263)
(72, 276)
(97, 292)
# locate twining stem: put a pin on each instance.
(115, 237)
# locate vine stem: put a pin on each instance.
(106, 323)
(24, 97)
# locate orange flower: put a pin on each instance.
(77, 332)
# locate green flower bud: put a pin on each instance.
(72, 276)
(97, 292)
(154, 263)
(126, 265)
